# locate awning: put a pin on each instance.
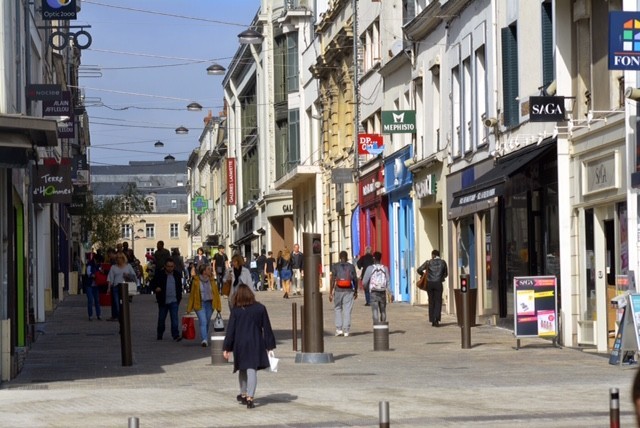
(39, 131)
(486, 189)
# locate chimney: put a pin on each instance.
(208, 118)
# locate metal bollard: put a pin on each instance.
(466, 316)
(217, 350)
(614, 408)
(294, 325)
(381, 336)
(125, 325)
(383, 407)
(134, 422)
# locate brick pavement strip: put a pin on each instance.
(73, 377)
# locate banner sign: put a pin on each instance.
(52, 184)
(546, 109)
(54, 10)
(399, 122)
(41, 92)
(624, 44)
(58, 107)
(370, 144)
(536, 311)
(231, 181)
(67, 129)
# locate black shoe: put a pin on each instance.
(367, 304)
(242, 398)
(250, 404)
(177, 339)
(159, 338)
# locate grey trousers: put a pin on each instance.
(248, 381)
(343, 304)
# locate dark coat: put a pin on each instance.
(249, 336)
(160, 281)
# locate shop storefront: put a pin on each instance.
(504, 223)
(373, 223)
(398, 182)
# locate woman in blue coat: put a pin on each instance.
(250, 337)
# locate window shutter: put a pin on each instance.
(547, 44)
(510, 75)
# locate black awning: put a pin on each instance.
(489, 186)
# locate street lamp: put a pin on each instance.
(194, 106)
(181, 130)
(215, 69)
(158, 144)
(250, 37)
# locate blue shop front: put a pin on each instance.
(398, 182)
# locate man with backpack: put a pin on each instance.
(376, 280)
(343, 291)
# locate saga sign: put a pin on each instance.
(546, 109)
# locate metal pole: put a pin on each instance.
(614, 408)
(313, 331)
(134, 422)
(466, 322)
(294, 325)
(304, 349)
(125, 325)
(383, 408)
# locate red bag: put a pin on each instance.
(188, 327)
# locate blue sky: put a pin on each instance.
(152, 56)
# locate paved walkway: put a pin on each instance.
(73, 377)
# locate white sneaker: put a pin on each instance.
(346, 334)
(338, 332)
(204, 343)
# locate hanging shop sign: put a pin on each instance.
(546, 109)
(426, 187)
(624, 49)
(41, 92)
(231, 181)
(52, 184)
(370, 144)
(199, 204)
(67, 129)
(58, 107)
(56, 10)
(342, 175)
(399, 122)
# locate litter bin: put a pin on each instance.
(473, 295)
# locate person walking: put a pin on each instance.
(286, 272)
(250, 337)
(342, 293)
(90, 286)
(376, 280)
(166, 284)
(363, 263)
(297, 269)
(220, 265)
(204, 299)
(179, 261)
(277, 271)
(119, 273)
(436, 271)
(269, 269)
(237, 274)
(261, 262)
(200, 258)
(161, 255)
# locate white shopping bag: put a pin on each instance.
(273, 362)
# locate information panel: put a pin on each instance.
(627, 341)
(536, 310)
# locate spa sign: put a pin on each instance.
(52, 184)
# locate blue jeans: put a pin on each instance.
(93, 299)
(115, 301)
(172, 310)
(343, 304)
(204, 315)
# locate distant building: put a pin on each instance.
(163, 185)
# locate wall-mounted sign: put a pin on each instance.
(199, 204)
(52, 184)
(67, 129)
(624, 49)
(546, 109)
(426, 187)
(40, 92)
(231, 181)
(54, 10)
(601, 173)
(342, 175)
(58, 107)
(370, 144)
(399, 122)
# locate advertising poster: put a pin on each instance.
(536, 311)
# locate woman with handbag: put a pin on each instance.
(286, 272)
(250, 338)
(237, 274)
(203, 299)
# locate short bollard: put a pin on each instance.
(381, 336)
(134, 422)
(217, 351)
(614, 408)
(383, 407)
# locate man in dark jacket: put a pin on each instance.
(363, 263)
(168, 288)
(436, 271)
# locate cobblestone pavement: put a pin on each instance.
(73, 377)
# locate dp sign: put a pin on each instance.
(370, 144)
